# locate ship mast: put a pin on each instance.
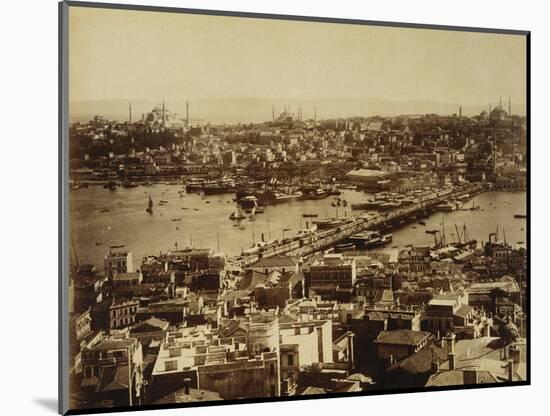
(443, 239)
(458, 235)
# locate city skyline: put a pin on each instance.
(250, 110)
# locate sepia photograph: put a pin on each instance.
(265, 207)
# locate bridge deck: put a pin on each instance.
(324, 239)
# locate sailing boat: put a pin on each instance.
(237, 214)
(474, 207)
(150, 206)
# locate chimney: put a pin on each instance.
(510, 370)
(351, 360)
(487, 330)
(515, 354)
(452, 361)
(186, 385)
(451, 355)
(471, 376)
(435, 365)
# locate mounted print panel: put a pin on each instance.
(264, 208)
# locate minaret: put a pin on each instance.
(509, 107)
(500, 104)
(187, 112)
(130, 112)
(460, 111)
(163, 113)
(273, 113)
(315, 113)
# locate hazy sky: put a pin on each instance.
(119, 54)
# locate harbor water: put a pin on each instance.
(102, 218)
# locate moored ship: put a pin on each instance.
(370, 239)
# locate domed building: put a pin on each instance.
(162, 117)
(498, 114)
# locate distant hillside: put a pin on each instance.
(247, 110)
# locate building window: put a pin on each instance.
(171, 365)
(175, 352)
(271, 369)
(290, 359)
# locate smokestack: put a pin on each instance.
(187, 112)
(186, 385)
(130, 112)
(509, 107)
(460, 111)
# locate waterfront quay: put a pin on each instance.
(320, 240)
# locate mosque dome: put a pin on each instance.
(498, 114)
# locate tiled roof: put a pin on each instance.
(314, 390)
(126, 276)
(252, 278)
(421, 361)
(383, 295)
(194, 395)
(114, 344)
(114, 378)
(151, 324)
(402, 337)
(456, 377)
(377, 316)
(464, 310)
(230, 327)
(276, 261)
